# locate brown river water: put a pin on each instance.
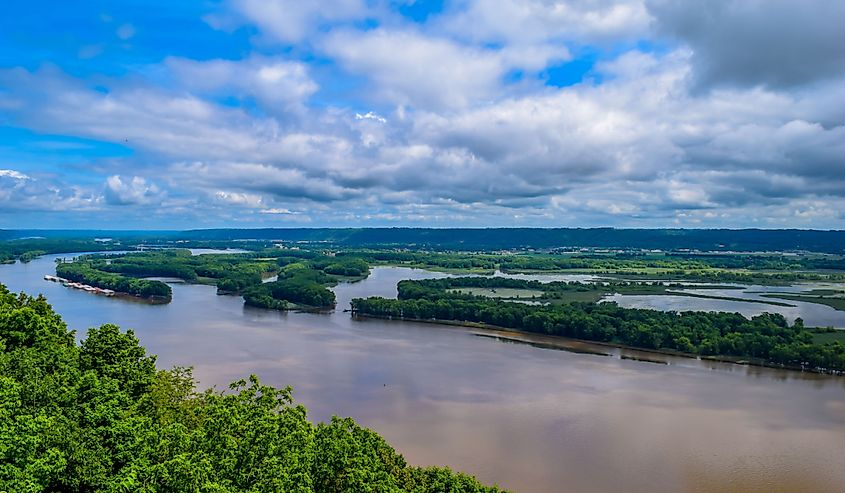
(528, 418)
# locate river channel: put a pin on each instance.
(528, 418)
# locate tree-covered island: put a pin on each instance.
(766, 338)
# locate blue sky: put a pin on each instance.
(248, 113)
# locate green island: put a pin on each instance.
(303, 276)
(85, 272)
(99, 416)
(763, 339)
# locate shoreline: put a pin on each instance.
(108, 293)
(547, 341)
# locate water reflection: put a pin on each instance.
(531, 419)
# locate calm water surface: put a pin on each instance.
(530, 419)
(814, 314)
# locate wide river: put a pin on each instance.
(527, 418)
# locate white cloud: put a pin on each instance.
(291, 20)
(370, 115)
(411, 68)
(131, 191)
(277, 84)
(533, 22)
(249, 200)
(15, 175)
(20, 192)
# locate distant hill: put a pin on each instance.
(498, 238)
(505, 238)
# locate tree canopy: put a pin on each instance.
(98, 416)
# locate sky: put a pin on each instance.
(158, 114)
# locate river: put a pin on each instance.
(527, 418)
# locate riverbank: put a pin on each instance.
(583, 346)
(109, 293)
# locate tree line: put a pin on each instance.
(766, 337)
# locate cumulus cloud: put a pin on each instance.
(537, 22)
(370, 115)
(411, 68)
(249, 200)
(291, 20)
(278, 85)
(131, 191)
(20, 192)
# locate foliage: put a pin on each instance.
(766, 337)
(297, 284)
(303, 274)
(100, 417)
(30, 255)
(232, 272)
(342, 266)
(82, 271)
(29, 248)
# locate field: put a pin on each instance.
(506, 293)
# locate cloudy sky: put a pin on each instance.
(163, 114)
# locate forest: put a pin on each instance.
(303, 276)
(765, 338)
(30, 248)
(297, 287)
(84, 273)
(488, 239)
(99, 416)
(485, 239)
